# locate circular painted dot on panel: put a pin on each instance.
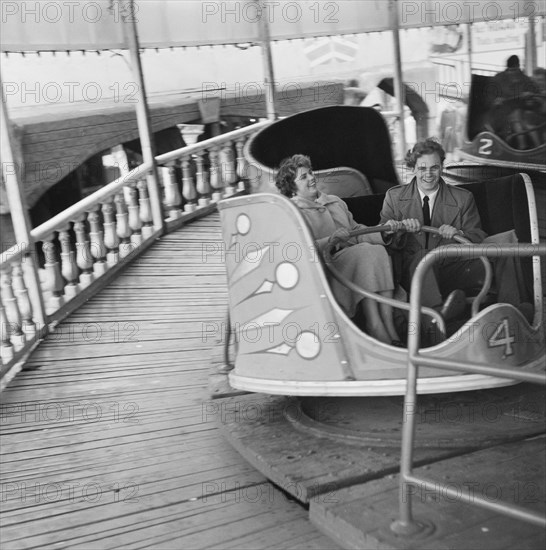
(243, 224)
(308, 345)
(287, 275)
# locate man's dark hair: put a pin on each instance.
(425, 147)
(513, 62)
(286, 176)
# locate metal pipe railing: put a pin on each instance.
(406, 524)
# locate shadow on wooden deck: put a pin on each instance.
(109, 439)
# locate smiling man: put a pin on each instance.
(428, 200)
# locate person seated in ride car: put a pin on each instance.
(362, 259)
(453, 211)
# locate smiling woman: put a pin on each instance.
(306, 183)
(363, 259)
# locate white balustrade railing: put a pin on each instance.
(17, 323)
(196, 176)
(77, 252)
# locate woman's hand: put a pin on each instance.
(394, 226)
(412, 225)
(339, 237)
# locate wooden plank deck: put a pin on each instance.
(512, 472)
(109, 439)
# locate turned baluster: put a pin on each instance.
(23, 299)
(227, 164)
(173, 198)
(34, 323)
(111, 238)
(53, 281)
(84, 260)
(6, 347)
(96, 242)
(134, 218)
(242, 164)
(11, 307)
(69, 267)
(123, 229)
(216, 180)
(188, 187)
(145, 209)
(203, 187)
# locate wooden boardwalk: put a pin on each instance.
(109, 439)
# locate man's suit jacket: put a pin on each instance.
(453, 206)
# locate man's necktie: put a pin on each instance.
(426, 217)
(426, 211)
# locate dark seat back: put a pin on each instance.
(350, 136)
(502, 204)
(366, 210)
(482, 95)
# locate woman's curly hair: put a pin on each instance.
(425, 147)
(286, 175)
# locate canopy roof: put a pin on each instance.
(48, 25)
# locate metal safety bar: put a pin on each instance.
(396, 303)
(406, 524)
(327, 253)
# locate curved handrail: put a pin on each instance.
(369, 294)
(64, 217)
(211, 142)
(486, 264)
(14, 253)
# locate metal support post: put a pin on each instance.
(267, 59)
(398, 78)
(19, 214)
(143, 119)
